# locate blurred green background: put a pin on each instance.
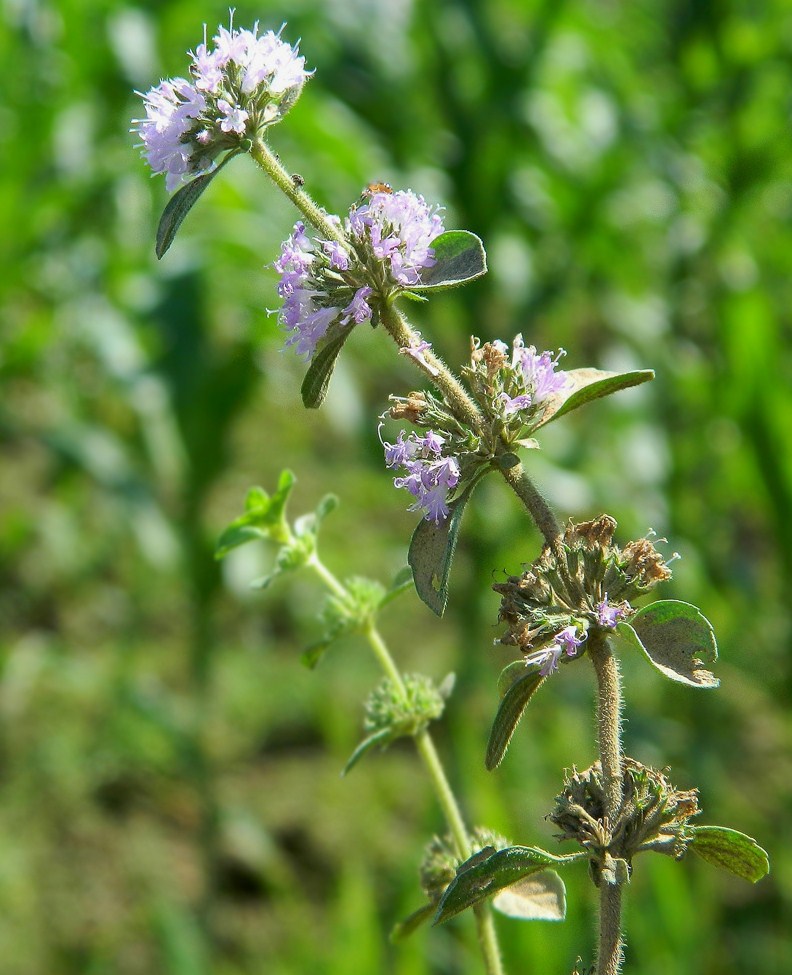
(170, 798)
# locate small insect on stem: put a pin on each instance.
(298, 180)
(373, 188)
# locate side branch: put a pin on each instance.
(536, 505)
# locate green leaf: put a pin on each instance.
(459, 257)
(317, 379)
(406, 927)
(585, 385)
(479, 878)
(432, 552)
(677, 639)
(541, 897)
(311, 656)
(180, 205)
(378, 738)
(519, 692)
(731, 850)
(402, 581)
(264, 517)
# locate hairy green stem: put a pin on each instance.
(426, 749)
(609, 704)
(281, 177)
(536, 505)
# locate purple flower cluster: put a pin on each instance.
(312, 298)
(565, 642)
(243, 83)
(429, 476)
(323, 282)
(535, 374)
(399, 228)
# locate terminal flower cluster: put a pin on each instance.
(243, 83)
(430, 477)
(328, 285)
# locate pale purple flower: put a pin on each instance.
(538, 370)
(565, 642)
(608, 616)
(337, 254)
(417, 352)
(400, 228)
(232, 118)
(172, 109)
(429, 477)
(511, 404)
(358, 310)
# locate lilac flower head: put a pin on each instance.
(316, 298)
(240, 85)
(429, 477)
(399, 229)
(565, 642)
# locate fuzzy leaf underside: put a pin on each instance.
(510, 710)
(540, 897)
(317, 379)
(180, 204)
(431, 553)
(262, 517)
(677, 639)
(459, 258)
(487, 876)
(585, 385)
(731, 850)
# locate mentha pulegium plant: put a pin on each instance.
(577, 598)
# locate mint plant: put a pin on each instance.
(575, 602)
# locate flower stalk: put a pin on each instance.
(427, 751)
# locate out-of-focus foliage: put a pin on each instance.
(170, 798)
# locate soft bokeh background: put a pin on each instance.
(170, 798)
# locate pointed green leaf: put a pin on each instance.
(311, 656)
(402, 581)
(406, 927)
(541, 897)
(677, 639)
(731, 850)
(432, 552)
(514, 702)
(264, 517)
(585, 385)
(490, 875)
(180, 205)
(379, 737)
(317, 379)
(459, 258)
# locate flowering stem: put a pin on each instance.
(457, 399)
(313, 213)
(434, 767)
(537, 507)
(609, 704)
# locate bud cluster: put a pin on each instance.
(586, 583)
(400, 714)
(654, 815)
(328, 286)
(243, 84)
